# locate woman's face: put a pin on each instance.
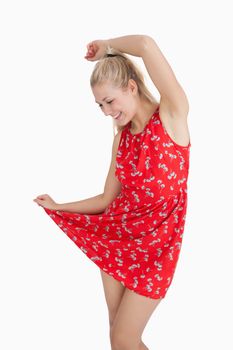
(118, 103)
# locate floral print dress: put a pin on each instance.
(137, 238)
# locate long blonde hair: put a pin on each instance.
(119, 69)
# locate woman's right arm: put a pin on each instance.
(92, 205)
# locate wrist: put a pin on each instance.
(107, 43)
(57, 206)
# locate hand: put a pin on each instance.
(96, 49)
(44, 200)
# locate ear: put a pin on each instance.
(132, 85)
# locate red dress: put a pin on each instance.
(137, 238)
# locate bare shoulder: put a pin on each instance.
(175, 123)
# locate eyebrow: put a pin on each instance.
(103, 99)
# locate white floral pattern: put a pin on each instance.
(138, 237)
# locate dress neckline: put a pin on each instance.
(146, 126)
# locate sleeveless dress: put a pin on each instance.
(137, 238)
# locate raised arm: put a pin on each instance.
(164, 78)
(158, 68)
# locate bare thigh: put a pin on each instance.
(113, 291)
(132, 316)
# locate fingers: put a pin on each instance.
(40, 199)
(89, 56)
(89, 46)
(42, 196)
(91, 51)
(37, 201)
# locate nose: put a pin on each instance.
(107, 110)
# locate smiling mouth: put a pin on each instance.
(118, 116)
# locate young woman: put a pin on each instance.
(133, 230)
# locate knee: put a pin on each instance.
(123, 341)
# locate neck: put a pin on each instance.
(141, 118)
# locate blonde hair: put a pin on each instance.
(118, 70)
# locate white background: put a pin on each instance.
(55, 139)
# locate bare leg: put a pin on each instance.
(143, 346)
(114, 291)
(132, 316)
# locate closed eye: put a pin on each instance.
(107, 102)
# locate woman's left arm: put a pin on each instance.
(129, 44)
(164, 78)
(158, 69)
